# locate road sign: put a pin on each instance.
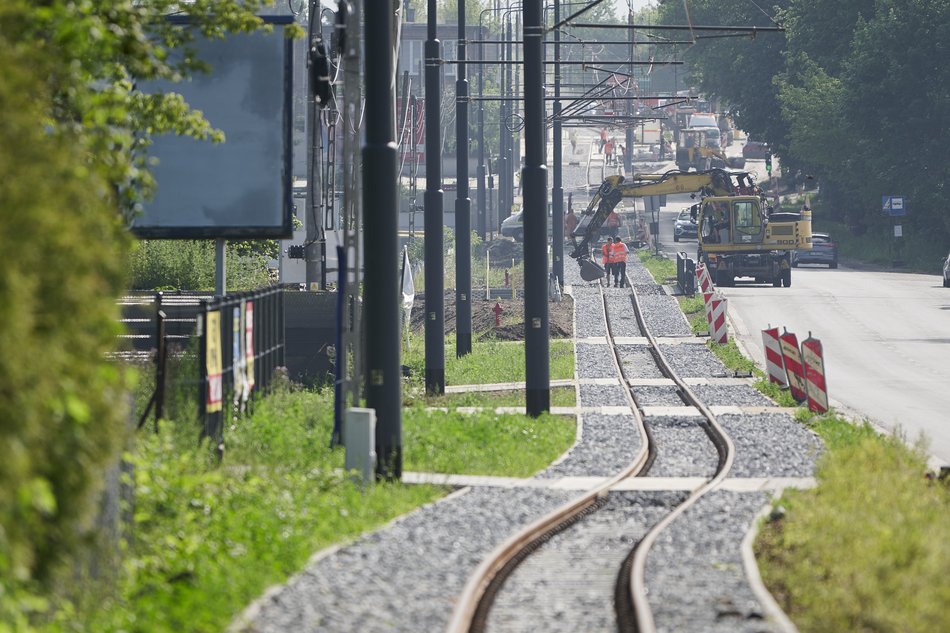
(893, 205)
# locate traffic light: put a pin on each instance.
(768, 164)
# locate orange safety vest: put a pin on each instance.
(618, 252)
(606, 251)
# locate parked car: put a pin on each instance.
(755, 150)
(823, 251)
(684, 226)
(946, 272)
(513, 226)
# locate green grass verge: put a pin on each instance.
(490, 362)
(560, 397)
(869, 548)
(483, 443)
(206, 539)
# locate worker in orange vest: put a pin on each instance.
(607, 252)
(618, 259)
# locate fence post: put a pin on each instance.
(160, 361)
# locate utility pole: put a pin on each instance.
(557, 191)
(480, 175)
(383, 378)
(534, 189)
(628, 139)
(463, 205)
(435, 284)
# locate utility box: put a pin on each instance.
(359, 437)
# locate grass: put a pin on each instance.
(483, 443)
(869, 548)
(490, 362)
(207, 539)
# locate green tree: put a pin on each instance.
(72, 140)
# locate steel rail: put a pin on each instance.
(471, 610)
(636, 581)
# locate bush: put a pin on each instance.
(61, 403)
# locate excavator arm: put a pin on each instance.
(712, 182)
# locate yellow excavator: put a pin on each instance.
(738, 235)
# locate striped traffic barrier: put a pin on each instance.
(792, 357)
(773, 357)
(703, 279)
(707, 304)
(815, 385)
(717, 330)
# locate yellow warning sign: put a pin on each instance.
(213, 362)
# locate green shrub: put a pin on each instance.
(189, 265)
(61, 403)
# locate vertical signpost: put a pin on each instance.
(896, 207)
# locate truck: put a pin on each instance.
(738, 234)
(699, 148)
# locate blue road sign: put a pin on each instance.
(893, 205)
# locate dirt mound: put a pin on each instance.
(560, 317)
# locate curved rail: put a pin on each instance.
(472, 608)
(636, 581)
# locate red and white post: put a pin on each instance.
(703, 279)
(774, 363)
(815, 385)
(794, 372)
(717, 320)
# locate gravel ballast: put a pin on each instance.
(408, 575)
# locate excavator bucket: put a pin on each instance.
(590, 271)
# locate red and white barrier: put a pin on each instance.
(703, 280)
(815, 385)
(707, 303)
(774, 363)
(793, 365)
(717, 321)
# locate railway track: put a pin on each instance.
(412, 574)
(556, 545)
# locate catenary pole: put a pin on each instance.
(534, 191)
(382, 376)
(463, 205)
(434, 284)
(557, 190)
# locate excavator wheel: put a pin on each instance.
(787, 277)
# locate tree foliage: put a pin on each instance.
(854, 91)
(72, 134)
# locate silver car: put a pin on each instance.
(684, 226)
(823, 251)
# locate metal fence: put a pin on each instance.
(242, 344)
(211, 352)
(685, 273)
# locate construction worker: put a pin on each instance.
(607, 258)
(570, 223)
(618, 258)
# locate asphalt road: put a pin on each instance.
(885, 335)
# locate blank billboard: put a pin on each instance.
(240, 188)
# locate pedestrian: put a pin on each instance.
(613, 224)
(609, 151)
(619, 252)
(570, 223)
(606, 257)
(603, 138)
(573, 137)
